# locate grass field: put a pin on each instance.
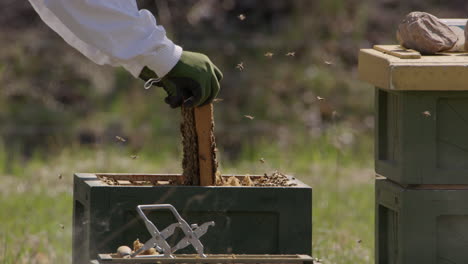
(36, 202)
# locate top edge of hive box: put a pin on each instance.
(440, 72)
(92, 180)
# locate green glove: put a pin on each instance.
(194, 80)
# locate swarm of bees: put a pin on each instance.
(275, 179)
(125, 251)
(232, 181)
(137, 245)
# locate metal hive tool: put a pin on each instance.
(158, 241)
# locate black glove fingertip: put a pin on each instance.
(190, 102)
(174, 101)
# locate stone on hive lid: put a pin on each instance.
(460, 45)
(425, 33)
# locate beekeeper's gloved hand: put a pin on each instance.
(194, 81)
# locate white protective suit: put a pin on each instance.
(111, 32)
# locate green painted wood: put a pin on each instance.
(422, 136)
(249, 220)
(420, 226)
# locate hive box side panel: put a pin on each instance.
(420, 226)
(389, 134)
(387, 233)
(452, 131)
(243, 216)
(421, 136)
(452, 239)
(81, 216)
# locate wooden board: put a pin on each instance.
(206, 144)
(126, 178)
(398, 51)
(227, 258)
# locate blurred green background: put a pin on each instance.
(60, 113)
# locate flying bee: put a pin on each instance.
(242, 17)
(121, 139)
(249, 117)
(320, 98)
(240, 66)
(426, 113)
(291, 54)
(335, 114)
(262, 160)
(269, 55)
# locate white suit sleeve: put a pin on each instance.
(111, 32)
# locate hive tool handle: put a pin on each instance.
(192, 236)
(192, 232)
(159, 238)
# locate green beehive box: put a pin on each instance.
(421, 113)
(422, 137)
(249, 220)
(415, 225)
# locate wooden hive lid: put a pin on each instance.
(395, 68)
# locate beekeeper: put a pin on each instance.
(116, 33)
